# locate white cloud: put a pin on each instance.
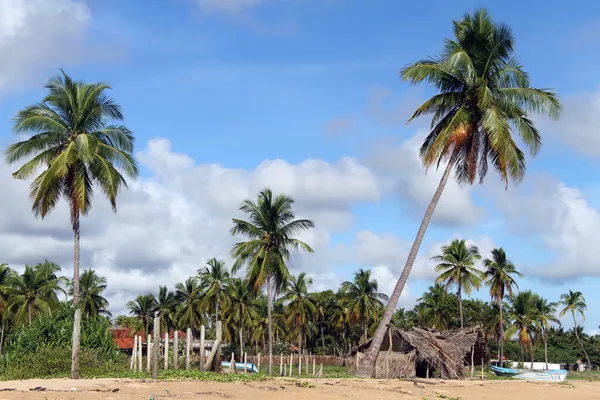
(168, 224)
(401, 173)
(38, 34)
(561, 215)
(228, 6)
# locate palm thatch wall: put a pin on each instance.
(406, 354)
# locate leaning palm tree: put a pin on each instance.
(499, 277)
(91, 301)
(34, 291)
(77, 147)
(142, 309)
(300, 308)
(270, 229)
(457, 267)
(166, 305)
(574, 303)
(545, 313)
(484, 97)
(364, 299)
(243, 309)
(214, 278)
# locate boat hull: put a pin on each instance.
(559, 375)
(240, 366)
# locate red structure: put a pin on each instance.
(124, 338)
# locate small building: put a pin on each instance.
(421, 352)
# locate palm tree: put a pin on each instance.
(74, 140)
(484, 96)
(243, 309)
(433, 307)
(214, 278)
(270, 229)
(142, 309)
(364, 298)
(91, 301)
(545, 313)
(499, 277)
(32, 292)
(457, 266)
(574, 303)
(522, 314)
(300, 307)
(5, 273)
(189, 295)
(166, 305)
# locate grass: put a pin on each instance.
(583, 376)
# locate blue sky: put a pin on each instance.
(235, 83)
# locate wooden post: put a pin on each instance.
(285, 369)
(140, 340)
(133, 364)
(320, 371)
(245, 362)
(357, 360)
(481, 368)
(202, 337)
(232, 364)
(306, 364)
(427, 370)
(314, 365)
(166, 351)
(472, 361)
(281, 365)
(258, 364)
(299, 364)
(188, 345)
(156, 347)
(148, 353)
(176, 350)
(291, 363)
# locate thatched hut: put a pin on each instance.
(420, 352)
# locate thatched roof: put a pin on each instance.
(444, 351)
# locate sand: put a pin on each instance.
(288, 389)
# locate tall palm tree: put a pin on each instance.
(74, 140)
(574, 303)
(364, 298)
(143, 309)
(270, 230)
(499, 277)
(484, 97)
(545, 313)
(166, 305)
(190, 296)
(91, 301)
(243, 309)
(522, 314)
(300, 307)
(457, 267)
(32, 292)
(214, 278)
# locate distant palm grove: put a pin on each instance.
(74, 145)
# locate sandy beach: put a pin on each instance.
(296, 389)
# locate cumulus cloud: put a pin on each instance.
(567, 224)
(171, 222)
(401, 173)
(36, 34)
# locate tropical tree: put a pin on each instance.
(545, 313)
(457, 267)
(521, 312)
(214, 278)
(32, 292)
(91, 301)
(270, 230)
(484, 96)
(499, 277)
(5, 273)
(73, 140)
(363, 298)
(434, 306)
(574, 303)
(189, 295)
(166, 305)
(243, 309)
(300, 307)
(142, 309)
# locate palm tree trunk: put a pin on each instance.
(77, 317)
(522, 353)
(531, 351)
(322, 339)
(545, 347)
(367, 366)
(501, 341)
(241, 343)
(462, 321)
(299, 340)
(270, 325)
(365, 334)
(217, 310)
(29, 311)
(589, 364)
(1, 337)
